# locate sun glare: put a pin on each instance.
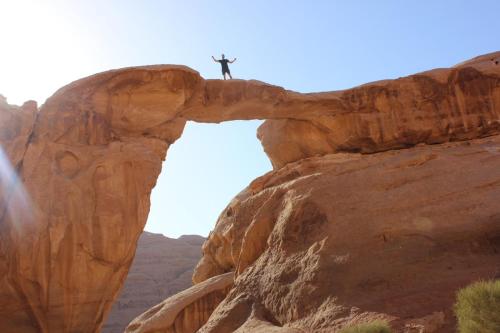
(43, 48)
(12, 192)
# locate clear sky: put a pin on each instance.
(301, 45)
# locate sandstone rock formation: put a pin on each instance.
(16, 126)
(187, 311)
(329, 241)
(162, 267)
(69, 229)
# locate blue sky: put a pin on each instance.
(301, 45)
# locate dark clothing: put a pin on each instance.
(224, 64)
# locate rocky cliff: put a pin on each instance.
(310, 239)
(162, 267)
(347, 238)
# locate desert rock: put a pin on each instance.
(16, 126)
(187, 311)
(162, 267)
(330, 241)
(89, 157)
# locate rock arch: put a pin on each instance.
(89, 157)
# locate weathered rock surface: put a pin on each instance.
(187, 311)
(16, 126)
(96, 149)
(162, 267)
(345, 238)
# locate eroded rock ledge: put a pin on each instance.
(89, 160)
(187, 311)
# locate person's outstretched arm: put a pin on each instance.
(232, 61)
(215, 59)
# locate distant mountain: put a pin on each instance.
(162, 267)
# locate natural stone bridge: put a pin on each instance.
(89, 157)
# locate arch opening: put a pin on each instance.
(203, 171)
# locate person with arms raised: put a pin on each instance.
(224, 64)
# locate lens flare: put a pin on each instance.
(15, 203)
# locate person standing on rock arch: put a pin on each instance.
(224, 64)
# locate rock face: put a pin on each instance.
(162, 267)
(16, 126)
(89, 160)
(344, 238)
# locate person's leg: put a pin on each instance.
(224, 75)
(229, 73)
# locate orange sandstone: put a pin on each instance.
(89, 160)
